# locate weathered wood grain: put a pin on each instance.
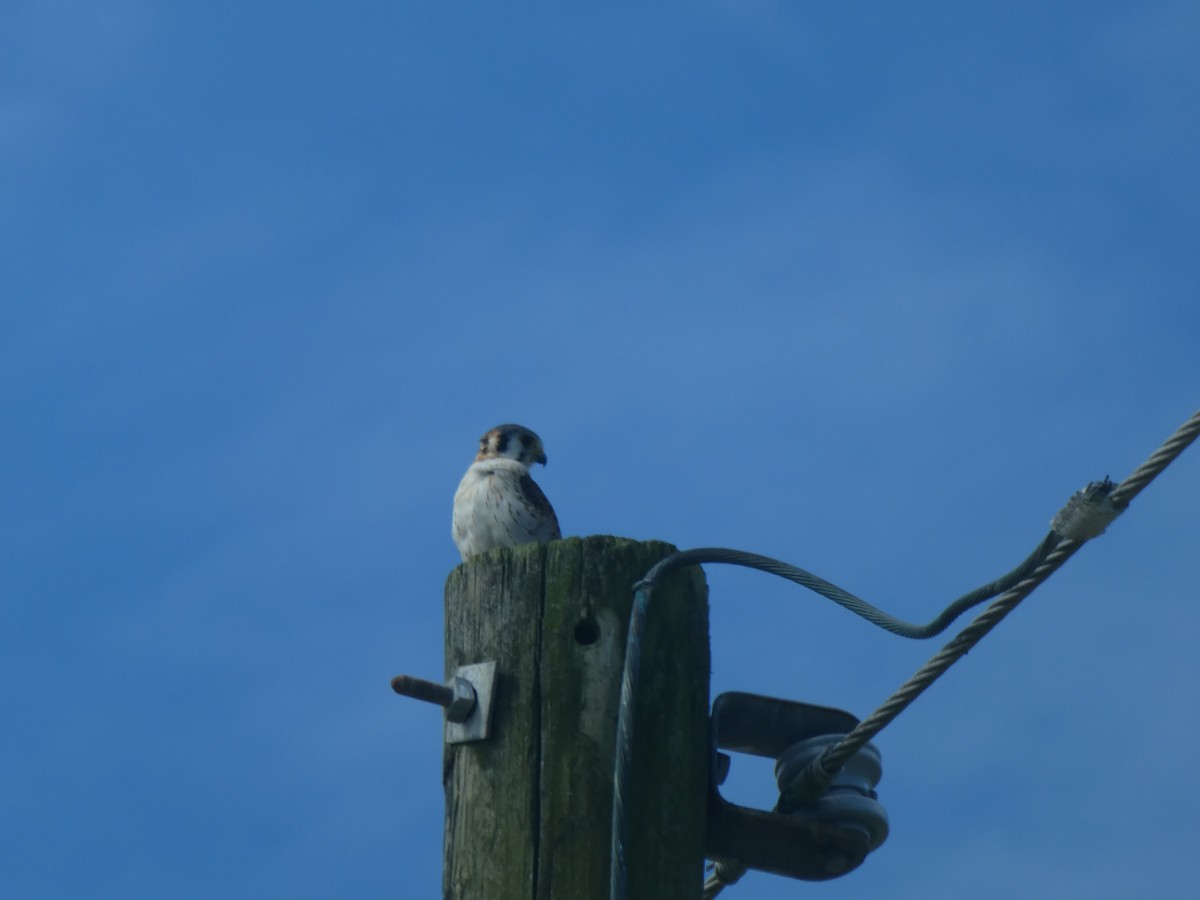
(528, 812)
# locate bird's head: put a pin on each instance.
(512, 442)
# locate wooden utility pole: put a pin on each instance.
(528, 811)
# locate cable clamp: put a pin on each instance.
(1087, 513)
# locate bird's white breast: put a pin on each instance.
(490, 510)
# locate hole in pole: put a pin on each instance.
(587, 632)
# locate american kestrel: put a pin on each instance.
(497, 504)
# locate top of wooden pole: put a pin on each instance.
(528, 812)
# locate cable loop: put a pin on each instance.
(1085, 516)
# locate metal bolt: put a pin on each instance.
(458, 697)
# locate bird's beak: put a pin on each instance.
(540, 458)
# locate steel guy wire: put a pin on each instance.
(873, 614)
(1083, 518)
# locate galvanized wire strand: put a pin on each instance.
(819, 774)
(624, 762)
(844, 598)
(1159, 460)
(817, 777)
(832, 760)
(637, 619)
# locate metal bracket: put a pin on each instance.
(466, 698)
(478, 723)
(821, 841)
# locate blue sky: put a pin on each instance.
(868, 289)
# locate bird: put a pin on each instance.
(497, 503)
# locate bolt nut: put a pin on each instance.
(464, 700)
